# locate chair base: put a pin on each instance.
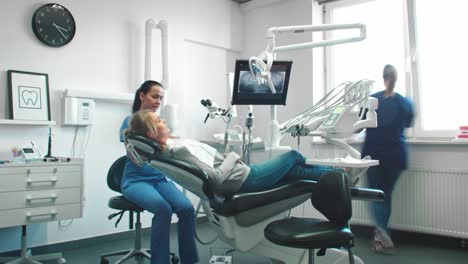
(33, 259)
(333, 255)
(25, 259)
(138, 254)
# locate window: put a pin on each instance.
(442, 65)
(433, 75)
(383, 45)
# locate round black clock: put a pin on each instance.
(53, 25)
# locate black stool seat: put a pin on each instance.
(120, 203)
(308, 233)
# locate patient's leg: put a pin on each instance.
(267, 174)
(308, 172)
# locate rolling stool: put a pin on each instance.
(114, 177)
(332, 198)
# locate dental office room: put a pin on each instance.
(233, 131)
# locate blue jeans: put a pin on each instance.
(287, 167)
(383, 179)
(162, 198)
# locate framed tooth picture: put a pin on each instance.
(29, 95)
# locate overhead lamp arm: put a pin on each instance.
(262, 71)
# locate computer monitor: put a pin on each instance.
(248, 92)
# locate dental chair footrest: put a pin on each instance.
(308, 233)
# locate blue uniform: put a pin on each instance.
(148, 188)
(386, 143)
(132, 172)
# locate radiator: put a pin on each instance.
(426, 201)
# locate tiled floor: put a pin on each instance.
(407, 252)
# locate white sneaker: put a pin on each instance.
(382, 242)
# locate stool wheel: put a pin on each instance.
(104, 261)
(175, 260)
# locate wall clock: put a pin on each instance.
(53, 25)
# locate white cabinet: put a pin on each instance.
(40, 191)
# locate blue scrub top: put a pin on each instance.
(386, 142)
(134, 173)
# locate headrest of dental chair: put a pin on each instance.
(332, 197)
(141, 149)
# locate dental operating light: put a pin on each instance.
(261, 70)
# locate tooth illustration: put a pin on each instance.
(29, 97)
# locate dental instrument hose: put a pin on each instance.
(197, 237)
(246, 145)
(226, 134)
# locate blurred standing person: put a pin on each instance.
(386, 143)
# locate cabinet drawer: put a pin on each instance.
(26, 216)
(37, 181)
(32, 169)
(39, 198)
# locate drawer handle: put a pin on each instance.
(52, 197)
(29, 181)
(29, 171)
(52, 214)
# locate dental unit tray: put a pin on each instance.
(347, 162)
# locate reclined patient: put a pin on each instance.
(227, 174)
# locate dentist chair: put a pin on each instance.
(239, 220)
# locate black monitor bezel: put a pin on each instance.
(252, 100)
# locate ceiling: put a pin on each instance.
(242, 1)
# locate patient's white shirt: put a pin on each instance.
(203, 152)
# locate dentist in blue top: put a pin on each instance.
(386, 143)
(148, 188)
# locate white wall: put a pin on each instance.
(107, 54)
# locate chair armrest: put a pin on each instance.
(367, 194)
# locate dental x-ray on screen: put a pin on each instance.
(248, 92)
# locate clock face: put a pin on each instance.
(53, 25)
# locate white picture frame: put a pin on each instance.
(29, 95)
